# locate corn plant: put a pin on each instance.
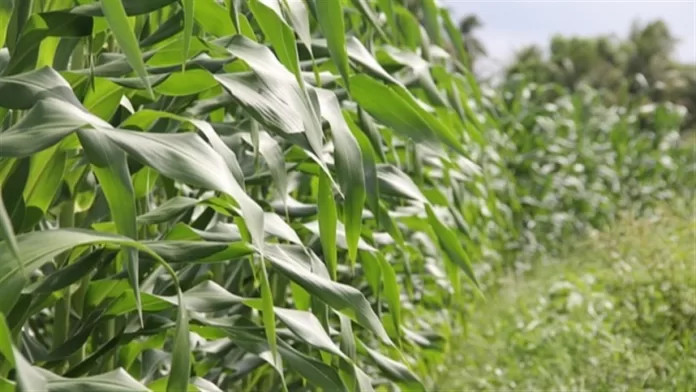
(204, 195)
(277, 194)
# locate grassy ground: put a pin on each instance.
(618, 314)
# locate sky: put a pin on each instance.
(511, 24)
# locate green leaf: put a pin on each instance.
(455, 37)
(118, 22)
(341, 240)
(275, 160)
(395, 182)
(24, 90)
(114, 381)
(395, 107)
(269, 16)
(168, 210)
(27, 377)
(367, 12)
(274, 97)
(387, 6)
(330, 17)
(317, 373)
(360, 55)
(349, 167)
(103, 98)
(40, 26)
(181, 353)
(299, 19)
(6, 7)
(45, 177)
(132, 7)
(394, 370)
(451, 245)
(187, 158)
(46, 124)
(213, 18)
(390, 286)
(307, 327)
(110, 166)
(369, 162)
(432, 25)
(327, 223)
(346, 299)
(188, 30)
(8, 233)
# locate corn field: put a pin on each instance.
(280, 195)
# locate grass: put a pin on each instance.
(618, 313)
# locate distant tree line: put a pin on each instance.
(641, 64)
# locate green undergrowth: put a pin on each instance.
(617, 313)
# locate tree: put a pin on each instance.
(474, 46)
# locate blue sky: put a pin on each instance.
(511, 24)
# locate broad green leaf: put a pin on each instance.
(168, 210)
(273, 95)
(12, 193)
(349, 167)
(410, 27)
(421, 71)
(24, 90)
(131, 7)
(455, 37)
(111, 168)
(299, 19)
(192, 81)
(432, 25)
(395, 370)
(330, 17)
(390, 286)
(6, 7)
(213, 18)
(369, 14)
(189, 9)
(276, 226)
(275, 160)
(187, 158)
(68, 275)
(369, 162)
(166, 30)
(268, 14)
(395, 182)
(27, 377)
(327, 223)
(114, 381)
(103, 98)
(199, 251)
(45, 176)
(15, 257)
(341, 241)
(343, 298)
(308, 328)
(118, 22)
(347, 338)
(360, 55)
(450, 244)
(397, 109)
(40, 26)
(46, 124)
(181, 353)
(317, 373)
(8, 233)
